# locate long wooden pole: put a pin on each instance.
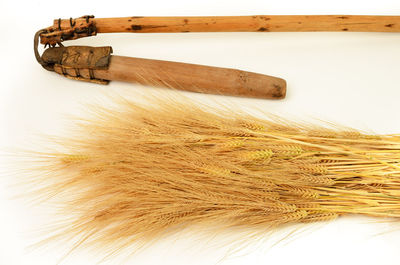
(275, 23)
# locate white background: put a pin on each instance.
(349, 78)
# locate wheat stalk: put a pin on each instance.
(139, 171)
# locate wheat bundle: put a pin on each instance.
(142, 170)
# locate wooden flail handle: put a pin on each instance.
(88, 25)
(96, 64)
(277, 23)
(69, 29)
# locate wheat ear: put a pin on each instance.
(139, 171)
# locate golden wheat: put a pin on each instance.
(139, 171)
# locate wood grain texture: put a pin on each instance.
(192, 77)
(260, 23)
